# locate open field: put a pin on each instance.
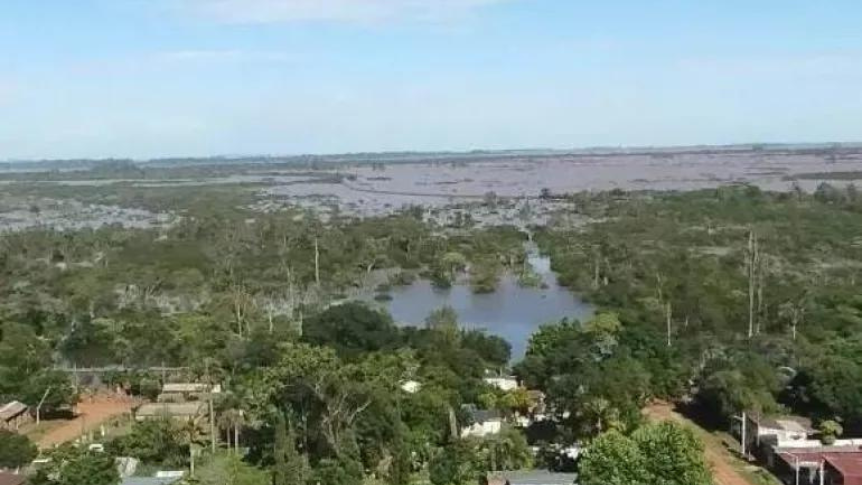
(91, 414)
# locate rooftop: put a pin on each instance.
(12, 409)
(794, 424)
(150, 480)
(847, 461)
(532, 477)
(480, 415)
(171, 409)
(848, 464)
(182, 387)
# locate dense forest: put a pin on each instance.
(729, 300)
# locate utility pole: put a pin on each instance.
(752, 256)
(317, 261)
(596, 256)
(41, 402)
(212, 424)
(668, 312)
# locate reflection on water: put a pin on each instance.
(512, 312)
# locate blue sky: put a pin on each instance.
(150, 78)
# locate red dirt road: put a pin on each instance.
(91, 413)
(723, 473)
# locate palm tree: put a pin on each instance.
(600, 415)
(231, 420)
(194, 437)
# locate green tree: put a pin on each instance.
(453, 262)
(71, 465)
(659, 454)
(290, 468)
(153, 441)
(90, 469)
(229, 469)
(342, 471)
(494, 350)
(673, 455)
(455, 464)
(15, 450)
(830, 430)
(443, 319)
(612, 459)
(507, 450)
(60, 391)
(747, 384)
(400, 469)
(351, 329)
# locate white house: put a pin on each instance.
(502, 383)
(778, 432)
(483, 423)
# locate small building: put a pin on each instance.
(483, 423)
(150, 480)
(187, 391)
(175, 410)
(532, 477)
(13, 415)
(764, 432)
(503, 383)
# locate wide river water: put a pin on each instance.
(512, 312)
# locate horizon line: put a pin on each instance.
(609, 149)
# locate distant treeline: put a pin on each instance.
(311, 160)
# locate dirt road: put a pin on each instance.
(91, 413)
(723, 473)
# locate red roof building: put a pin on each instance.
(839, 466)
(843, 469)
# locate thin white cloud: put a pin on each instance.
(345, 11)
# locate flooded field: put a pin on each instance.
(485, 189)
(368, 190)
(563, 174)
(286, 178)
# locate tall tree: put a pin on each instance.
(291, 467)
